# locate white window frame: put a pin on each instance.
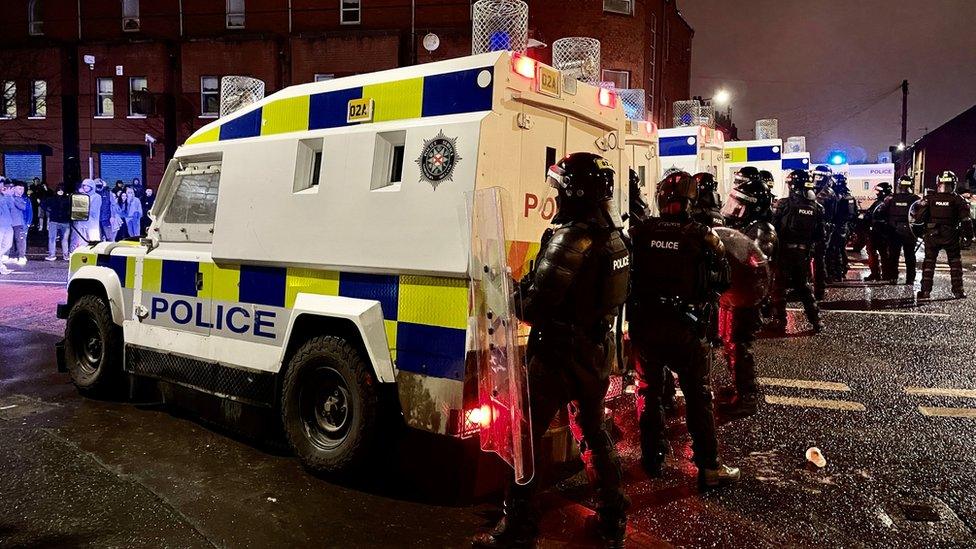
(383, 156)
(236, 14)
(8, 109)
(35, 25)
(99, 94)
(36, 112)
(132, 80)
(608, 7)
(308, 166)
(343, 10)
(323, 76)
(203, 98)
(605, 72)
(130, 12)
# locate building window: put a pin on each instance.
(38, 100)
(130, 15)
(139, 103)
(624, 7)
(350, 12)
(235, 14)
(35, 26)
(209, 96)
(620, 79)
(8, 101)
(106, 103)
(321, 77)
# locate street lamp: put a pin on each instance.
(722, 97)
(901, 147)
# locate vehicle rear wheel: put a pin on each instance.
(329, 406)
(93, 348)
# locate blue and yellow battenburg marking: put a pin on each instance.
(434, 95)
(752, 154)
(425, 317)
(796, 164)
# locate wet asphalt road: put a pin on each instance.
(79, 472)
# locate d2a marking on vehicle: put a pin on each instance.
(438, 158)
(360, 110)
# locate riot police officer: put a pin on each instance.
(876, 245)
(844, 212)
(639, 209)
(570, 299)
(946, 218)
(767, 177)
(824, 193)
(748, 211)
(707, 210)
(679, 270)
(799, 223)
(894, 209)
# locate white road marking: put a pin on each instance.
(9, 406)
(893, 313)
(804, 384)
(846, 405)
(937, 391)
(935, 411)
(30, 282)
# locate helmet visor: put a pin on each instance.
(739, 205)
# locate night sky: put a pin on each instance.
(825, 68)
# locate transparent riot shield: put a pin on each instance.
(503, 391)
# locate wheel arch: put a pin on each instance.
(100, 281)
(359, 321)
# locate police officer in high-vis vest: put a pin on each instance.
(901, 239)
(679, 270)
(946, 219)
(571, 299)
(799, 222)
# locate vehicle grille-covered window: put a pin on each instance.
(195, 200)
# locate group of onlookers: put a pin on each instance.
(115, 213)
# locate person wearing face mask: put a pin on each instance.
(58, 209)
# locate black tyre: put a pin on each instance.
(329, 406)
(93, 348)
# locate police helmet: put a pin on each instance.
(767, 177)
(749, 197)
(905, 183)
(676, 193)
(747, 173)
(821, 177)
(636, 193)
(840, 184)
(582, 177)
(883, 189)
(800, 182)
(705, 182)
(947, 182)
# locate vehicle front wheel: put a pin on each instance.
(93, 348)
(329, 406)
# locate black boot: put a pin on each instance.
(611, 527)
(959, 293)
(923, 294)
(721, 475)
(652, 460)
(516, 530)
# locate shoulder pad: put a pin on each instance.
(575, 237)
(713, 242)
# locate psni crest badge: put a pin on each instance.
(438, 159)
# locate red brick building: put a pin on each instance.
(157, 62)
(951, 146)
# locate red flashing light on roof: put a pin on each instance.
(524, 65)
(608, 98)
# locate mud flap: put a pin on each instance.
(503, 391)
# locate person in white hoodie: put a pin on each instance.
(90, 229)
(6, 223)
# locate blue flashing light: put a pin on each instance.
(838, 158)
(499, 41)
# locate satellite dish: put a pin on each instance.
(431, 41)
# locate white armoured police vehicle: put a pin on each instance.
(341, 241)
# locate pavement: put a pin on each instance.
(886, 392)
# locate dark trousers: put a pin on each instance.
(836, 260)
(793, 274)
(819, 268)
(691, 360)
(877, 250)
(738, 326)
(564, 367)
(897, 245)
(953, 254)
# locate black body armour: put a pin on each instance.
(581, 278)
(899, 205)
(845, 209)
(800, 219)
(671, 262)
